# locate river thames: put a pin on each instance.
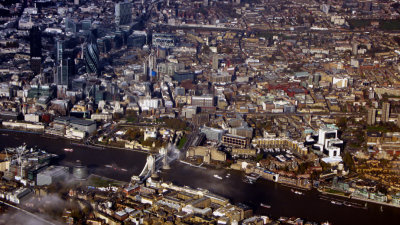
(284, 202)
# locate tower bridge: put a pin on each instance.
(154, 162)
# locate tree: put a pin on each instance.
(131, 116)
(342, 123)
(325, 166)
(117, 116)
(175, 124)
(349, 162)
(259, 157)
(315, 175)
(382, 188)
(158, 143)
(134, 133)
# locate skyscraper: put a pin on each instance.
(65, 72)
(36, 64)
(215, 62)
(70, 25)
(123, 13)
(371, 116)
(35, 38)
(91, 55)
(86, 24)
(385, 112)
(60, 50)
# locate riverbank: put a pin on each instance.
(350, 197)
(73, 141)
(282, 200)
(203, 167)
(375, 202)
(120, 148)
(102, 181)
(292, 186)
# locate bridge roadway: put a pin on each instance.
(150, 167)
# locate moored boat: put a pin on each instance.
(265, 205)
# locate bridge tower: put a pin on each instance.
(151, 166)
(164, 153)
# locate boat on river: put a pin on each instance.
(265, 205)
(336, 203)
(297, 192)
(217, 176)
(347, 204)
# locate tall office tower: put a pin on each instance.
(60, 50)
(65, 72)
(123, 13)
(371, 116)
(70, 25)
(91, 56)
(152, 62)
(35, 37)
(385, 112)
(215, 62)
(36, 64)
(86, 24)
(354, 48)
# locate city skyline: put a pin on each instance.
(200, 112)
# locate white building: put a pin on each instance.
(329, 144)
(51, 174)
(150, 133)
(149, 103)
(101, 116)
(19, 195)
(340, 82)
(34, 118)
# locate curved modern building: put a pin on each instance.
(80, 172)
(91, 57)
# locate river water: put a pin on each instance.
(283, 201)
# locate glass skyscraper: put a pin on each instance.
(123, 13)
(91, 56)
(35, 37)
(65, 72)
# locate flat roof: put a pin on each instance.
(82, 122)
(74, 120)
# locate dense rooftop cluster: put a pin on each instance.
(296, 92)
